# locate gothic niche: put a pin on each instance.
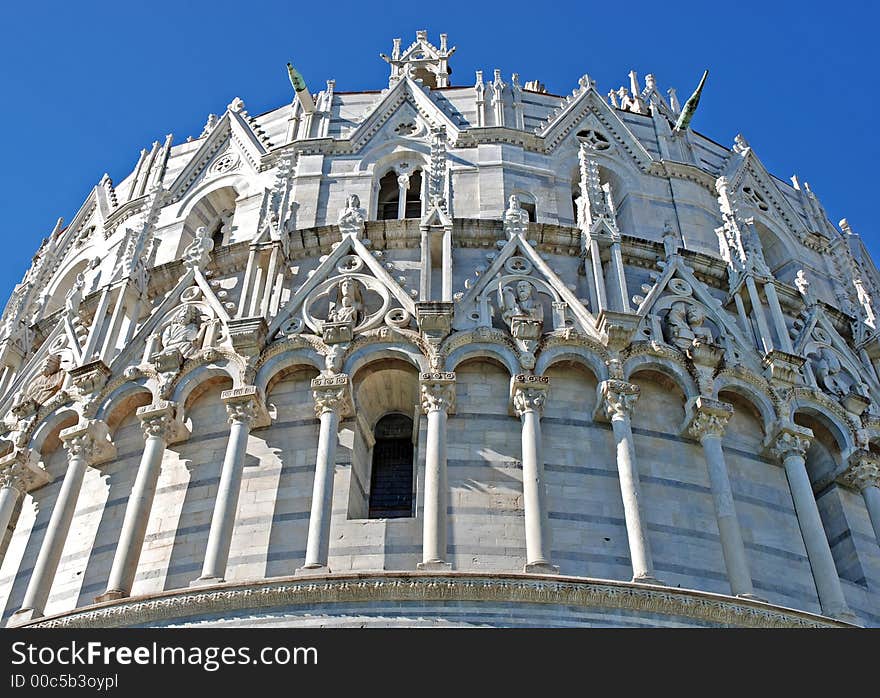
(343, 306)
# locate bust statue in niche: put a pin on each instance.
(684, 325)
(40, 389)
(346, 311)
(522, 310)
(180, 338)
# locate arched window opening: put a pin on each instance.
(391, 478)
(393, 187)
(213, 212)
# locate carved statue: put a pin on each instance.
(45, 385)
(351, 218)
(183, 332)
(522, 310)
(74, 295)
(684, 325)
(829, 373)
(348, 306)
(516, 218)
(197, 252)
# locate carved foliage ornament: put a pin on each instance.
(619, 398)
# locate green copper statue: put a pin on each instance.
(687, 112)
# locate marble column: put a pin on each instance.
(87, 443)
(707, 420)
(789, 445)
(160, 428)
(528, 395)
(616, 400)
(863, 475)
(245, 410)
(19, 474)
(438, 400)
(333, 400)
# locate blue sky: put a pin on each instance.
(88, 84)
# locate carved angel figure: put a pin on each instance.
(47, 383)
(516, 218)
(184, 331)
(348, 303)
(351, 218)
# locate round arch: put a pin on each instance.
(677, 373)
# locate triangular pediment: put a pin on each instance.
(519, 260)
(408, 98)
(677, 282)
(350, 259)
(231, 145)
(588, 110)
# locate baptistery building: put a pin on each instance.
(455, 351)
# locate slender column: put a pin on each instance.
(598, 276)
(332, 396)
(244, 410)
(438, 399)
(19, 474)
(619, 278)
(616, 399)
(707, 424)
(87, 444)
(758, 311)
(446, 280)
(790, 447)
(778, 317)
(160, 427)
(863, 475)
(528, 395)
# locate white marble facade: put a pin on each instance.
(636, 364)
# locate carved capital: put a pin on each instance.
(437, 391)
(528, 393)
(89, 440)
(21, 471)
(790, 440)
(245, 405)
(160, 420)
(863, 471)
(333, 394)
(617, 399)
(706, 417)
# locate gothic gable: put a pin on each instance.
(318, 303)
(589, 111)
(405, 102)
(231, 144)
